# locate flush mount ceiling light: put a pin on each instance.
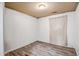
(42, 6)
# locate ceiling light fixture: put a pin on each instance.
(42, 6)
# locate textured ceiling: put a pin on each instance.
(52, 8)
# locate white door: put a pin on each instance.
(58, 30)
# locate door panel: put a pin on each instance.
(58, 30)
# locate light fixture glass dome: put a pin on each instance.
(42, 6)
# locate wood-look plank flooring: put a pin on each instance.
(39, 48)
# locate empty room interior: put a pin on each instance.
(39, 29)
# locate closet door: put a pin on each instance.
(58, 30)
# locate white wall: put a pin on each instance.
(19, 29)
(71, 30)
(44, 31)
(76, 42)
(1, 28)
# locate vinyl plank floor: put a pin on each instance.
(39, 48)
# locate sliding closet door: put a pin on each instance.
(58, 30)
